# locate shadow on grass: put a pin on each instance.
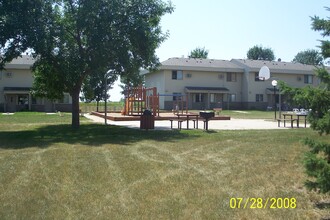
(323, 205)
(88, 134)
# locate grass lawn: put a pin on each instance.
(49, 171)
(92, 106)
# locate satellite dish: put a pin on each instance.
(264, 73)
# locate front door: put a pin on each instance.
(11, 101)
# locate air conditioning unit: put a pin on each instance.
(220, 76)
(188, 75)
(9, 75)
(299, 78)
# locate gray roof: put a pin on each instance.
(275, 66)
(235, 65)
(24, 62)
(201, 65)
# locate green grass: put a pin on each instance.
(92, 106)
(246, 114)
(250, 114)
(50, 171)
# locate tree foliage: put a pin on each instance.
(260, 53)
(317, 160)
(199, 53)
(72, 40)
(309, 57)
(96, 86)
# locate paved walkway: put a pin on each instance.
(233, 124)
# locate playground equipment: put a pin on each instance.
(139, 99)
(180, 104)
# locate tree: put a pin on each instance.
(317, 160)
(309, 57)
(94, 87)
(199, 53)
(132, 79)
(260, 53)
(72, 40)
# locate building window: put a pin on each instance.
(212, 98)
(199, 97)
(308, 79)
(23, 100)
(65, 99)
(259, 97)
(9, 75)
(256, 77)
(177, 75)
(231, 77)
(232, 97)
(177, 96)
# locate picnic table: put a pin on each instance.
(293, 116)
(187, 117)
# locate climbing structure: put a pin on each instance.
(139, 99)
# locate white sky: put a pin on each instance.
(228, 28)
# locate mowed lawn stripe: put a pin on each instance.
(109, 172)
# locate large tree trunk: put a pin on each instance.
(75, 109)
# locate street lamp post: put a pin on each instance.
(109, 72)
(274, 84)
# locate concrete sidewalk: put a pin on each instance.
(233, 124)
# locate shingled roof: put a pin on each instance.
(201, 65)
(275, 66)
(235, 65)
(24, 62)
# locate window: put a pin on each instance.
(212, 97)
(177, 75)
(199, 97)
(232, 97)
(308, 79)
(231, 77)
(177, 96)
(259, 97)
(65, 99)
(256, 77)
(9, 75)
(23, 100)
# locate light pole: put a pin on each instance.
(109, 72)
(274, 83)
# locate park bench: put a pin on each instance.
(179, 123)
(291, 120)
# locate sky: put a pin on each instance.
(229, 28)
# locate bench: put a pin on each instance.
(217, 110)
(179, 123)
(285, 120)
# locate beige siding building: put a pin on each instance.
(15, 85)
(234, 84)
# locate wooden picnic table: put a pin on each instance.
(187, 117)
(294, 116)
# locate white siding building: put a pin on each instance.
(210, 83)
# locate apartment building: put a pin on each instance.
(234, 84)
(15, 90)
